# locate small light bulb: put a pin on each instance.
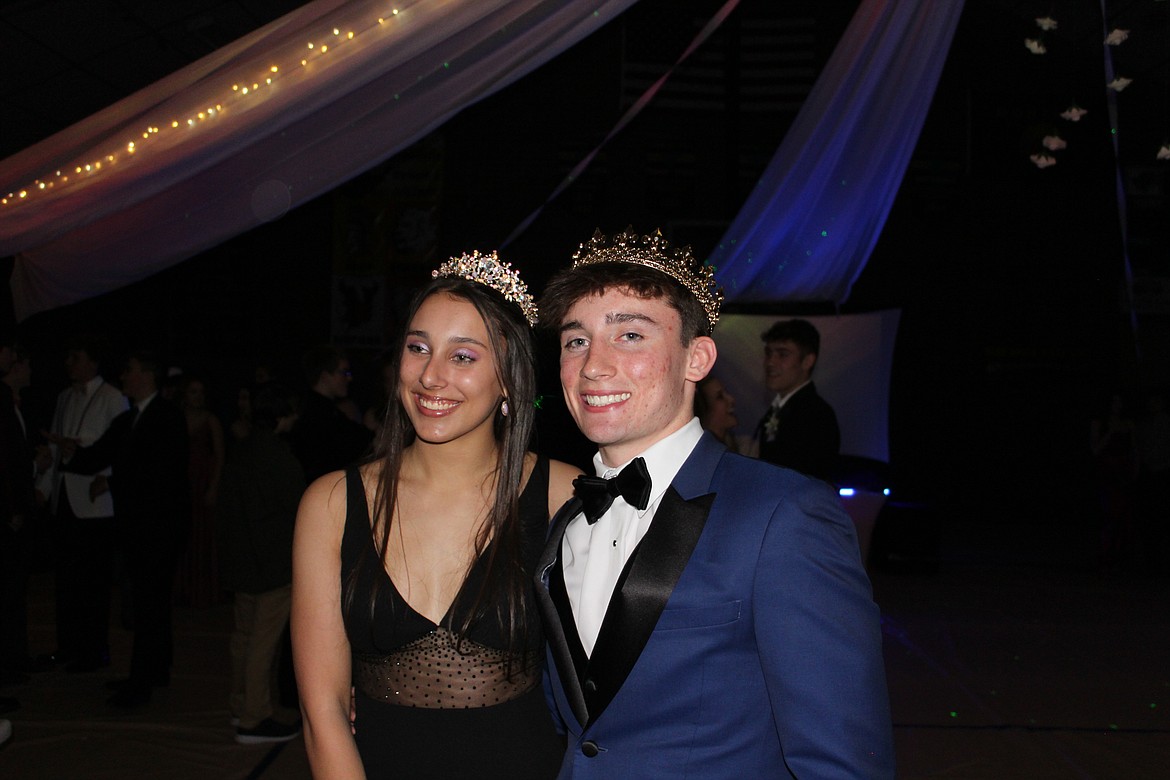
(396, 12)
(146, 135)
(174, 123)
(268, 81)
(381, 20)
(77, 169)
(24, 193)
(304, 62)
(273, 69)
(255, 86)
(41, 186)
(88, 167)
(324, 48)
(310, 44)
(336, 31)
(97, 166)
(202, 115)
(245, 90)
(235, 87)
(349, 35)
(190, 122)
(110, 157)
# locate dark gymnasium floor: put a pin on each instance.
(998, 668)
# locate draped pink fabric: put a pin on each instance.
(256, 128)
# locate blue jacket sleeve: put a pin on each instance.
(819, 637)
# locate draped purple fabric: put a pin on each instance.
(812, 220)
(250, 131)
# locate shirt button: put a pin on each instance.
(589, 749)
(590, 686)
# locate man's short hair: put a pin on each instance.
(573, 284)
(95, 346)
(802, 333)
(323, 359)
(151, 363)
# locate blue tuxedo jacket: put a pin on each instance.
(741, 640)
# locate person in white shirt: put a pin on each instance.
(82, 511)
(708, 614)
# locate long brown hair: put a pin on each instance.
(505, 580)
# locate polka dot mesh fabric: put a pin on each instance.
(433, 672)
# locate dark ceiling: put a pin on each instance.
(66, 59)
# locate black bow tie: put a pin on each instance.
(632, 483)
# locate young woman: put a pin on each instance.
(412, 575)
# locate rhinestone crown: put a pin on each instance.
(655, 252)
(490, 272)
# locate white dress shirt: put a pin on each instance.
(84, 414)
(593, 556)
(779, 401)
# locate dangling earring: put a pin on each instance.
(504, 408)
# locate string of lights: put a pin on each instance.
(119, 152)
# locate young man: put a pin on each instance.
(147, 446)
(799, 430)
(83, 516)
(324, 439)
(707, 614)
(261, 487)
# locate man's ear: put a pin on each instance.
(807, 361)
(701, 355)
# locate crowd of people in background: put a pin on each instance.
(151, 481)
(136, 484)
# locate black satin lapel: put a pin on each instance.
(569, 656)
(559, 626)
(642, 592)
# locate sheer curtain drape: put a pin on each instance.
(335, 87)
(809, 226)
(256, 128)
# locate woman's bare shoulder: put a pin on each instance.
(323, 503)
(560, 483)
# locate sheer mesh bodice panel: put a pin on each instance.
(433, 672)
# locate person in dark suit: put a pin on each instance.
(799, 430)
(707, 614)
(18, 515)
(146, 446)
(324, 439)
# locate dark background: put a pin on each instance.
(1016, 320)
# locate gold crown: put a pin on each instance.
(490, 272)
(655, 252)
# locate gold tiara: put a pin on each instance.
(655, 252)
(490, 272)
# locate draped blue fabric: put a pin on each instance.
(811, 222)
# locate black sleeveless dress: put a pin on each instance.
(427, 705)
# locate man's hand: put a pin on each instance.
(99, 486)
(67, 445)
(43, 458)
